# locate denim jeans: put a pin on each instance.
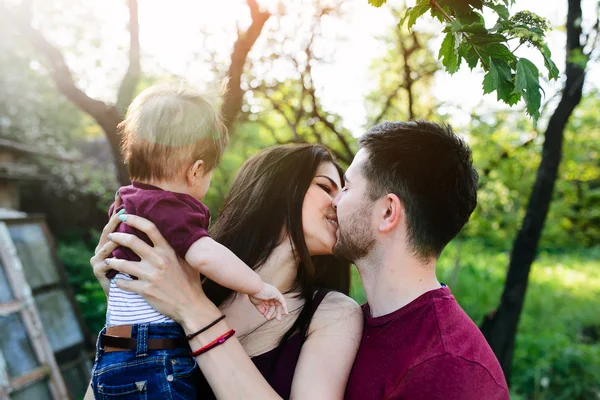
(144, 374)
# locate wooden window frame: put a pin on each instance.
(24, 304)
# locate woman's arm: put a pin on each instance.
(328, 354)
(173, 288)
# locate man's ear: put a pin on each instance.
(392, 213)
(195, 172)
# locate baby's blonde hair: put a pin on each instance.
(169, 127)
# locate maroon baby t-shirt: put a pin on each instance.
(179, 217)
(429, 349)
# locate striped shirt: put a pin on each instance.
(128, 308)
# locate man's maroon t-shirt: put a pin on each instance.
(429, 349)
(179, 217)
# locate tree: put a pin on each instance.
(405, 75)
(108, 116)
(500, 326)
(467, 38)
(290, 109)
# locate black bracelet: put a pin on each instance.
(207, 327)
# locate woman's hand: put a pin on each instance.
(104, 250)
(167, 282)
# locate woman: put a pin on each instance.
(279, 220)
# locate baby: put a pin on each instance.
(173, 139)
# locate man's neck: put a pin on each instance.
(394, 278)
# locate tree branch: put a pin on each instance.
(387, 105)
(271, 130)
(132, 76)
(234, 96)
(293, 125)
(317, 114)
(107, 116)
(60, 72)
(436, 5)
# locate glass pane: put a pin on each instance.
(6, 294)
(37, 391)
(59, 320)
(77, 379)
(16, 347)
(34, 252)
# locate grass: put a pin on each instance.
(557, 353)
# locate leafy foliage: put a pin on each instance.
(467, 38)
(75, 256)
(506, 152)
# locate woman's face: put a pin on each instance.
(319, 220)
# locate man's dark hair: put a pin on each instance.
(431, 171)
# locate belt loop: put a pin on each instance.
(142, 341)
(99, 347)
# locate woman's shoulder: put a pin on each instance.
(338, 300)
(336, 310)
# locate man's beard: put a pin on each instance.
(355, 238)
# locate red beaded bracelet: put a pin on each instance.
(218, 341)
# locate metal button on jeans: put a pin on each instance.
(170, 378)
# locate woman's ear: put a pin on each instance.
(392, 213)
(195, 173)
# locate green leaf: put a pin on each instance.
(472, 17)
(481, 39)
(455, 26)
(377, 3)
(420, 9)
(527, 82)
(467, 52)
(491, 79)
(501, 10)
(550, 66)
(475, 27)
(499, 78)
(448, 53)
(462, 7)
(501, 26)
(488, 83)
(496, 50)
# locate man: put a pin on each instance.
(409, 191)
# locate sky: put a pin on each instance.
(172, 40)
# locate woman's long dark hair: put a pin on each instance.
(265, 200)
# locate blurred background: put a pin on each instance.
(299, 71)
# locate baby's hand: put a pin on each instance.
(269, 302)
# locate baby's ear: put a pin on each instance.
(196, 171)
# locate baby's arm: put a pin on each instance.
(219, 264)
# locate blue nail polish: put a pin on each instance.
(121, 212)
(110, 236)
(116, 195)
(123, 217)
